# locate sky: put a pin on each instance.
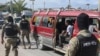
(59, 3)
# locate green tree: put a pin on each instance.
(2, 7)
(19, 5)
(5, 7)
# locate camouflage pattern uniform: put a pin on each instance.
(10, 41)
(25, 33)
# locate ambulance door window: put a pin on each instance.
(45, 21)
(51, 21)
(37, 20)
(96, 22)
(94, 25)
(33, 20)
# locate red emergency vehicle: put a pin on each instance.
(48, 34)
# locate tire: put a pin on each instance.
(40, 44)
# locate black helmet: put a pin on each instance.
(10, 19)
(83, 21)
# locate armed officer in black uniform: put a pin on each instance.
(85, 43)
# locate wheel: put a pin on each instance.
(39, 43)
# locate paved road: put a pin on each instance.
(30, 52)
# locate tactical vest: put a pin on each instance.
(24, 24)
(10, 29)
(87, 46)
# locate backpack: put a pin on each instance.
(24, 24)
(10, 29)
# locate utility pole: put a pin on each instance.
(44, 4)
(88, 5)
(99, 5)
(11, 8)
(32, 5)
(69, 4)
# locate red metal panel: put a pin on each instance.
(42, 13)
(76, 13)
(53, 13)
(92, 13)
(69, 13)
(45, 31)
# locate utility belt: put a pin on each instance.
(15, 36)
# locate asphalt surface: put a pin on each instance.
(30, 52)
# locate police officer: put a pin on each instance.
(10, 30)
(85, 43)
(25, 30)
